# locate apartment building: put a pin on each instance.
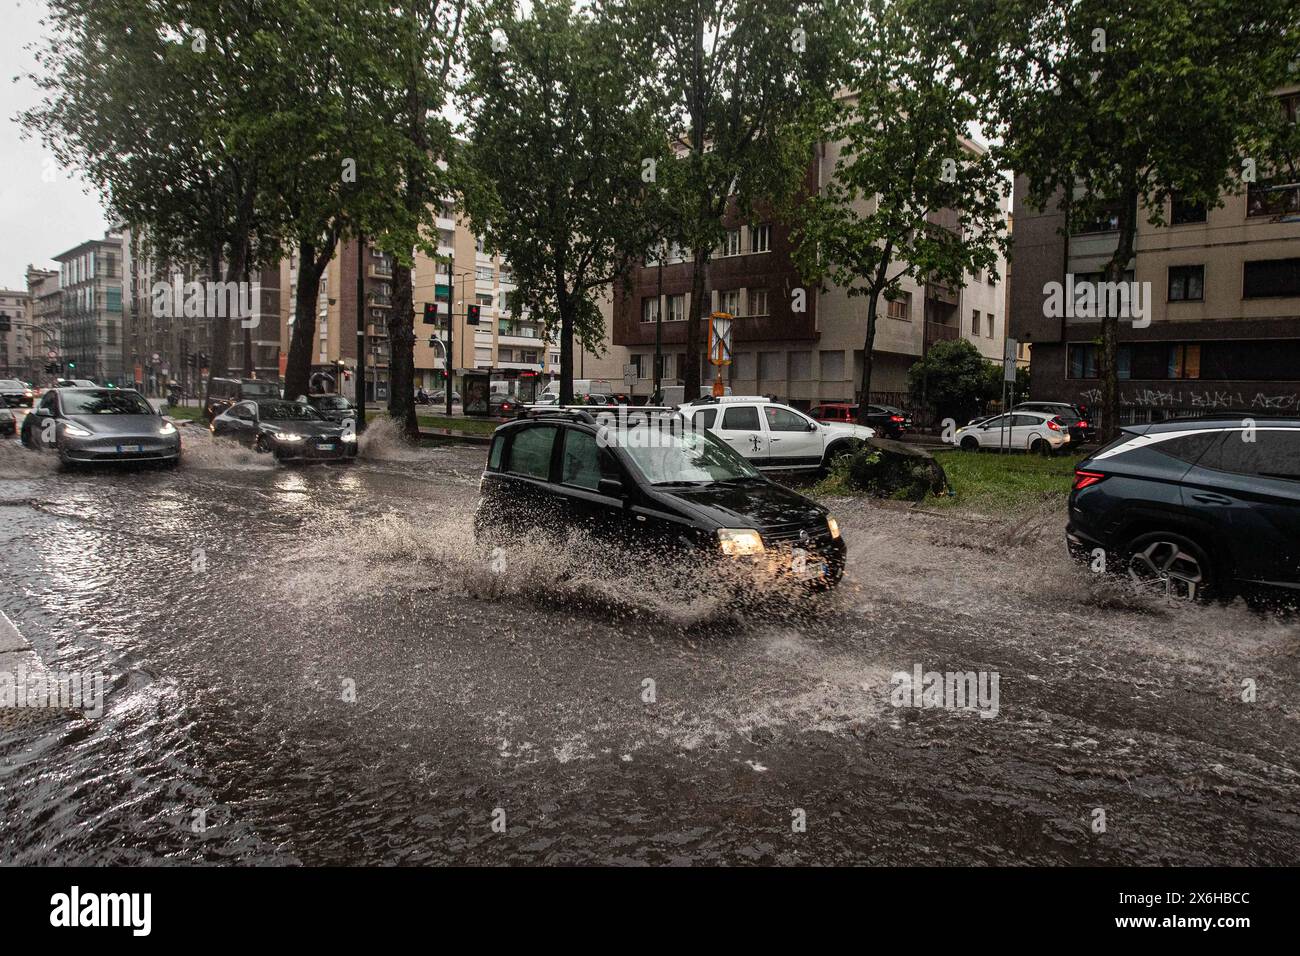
(44, 311)
(90, 310)
(801, 342)
(16, 335)
(512, 351)
(1223, 328)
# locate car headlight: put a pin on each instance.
(833, 525)
(167, 428)
(349, 436)
(288, 436)
(740, 541)
(75, 431)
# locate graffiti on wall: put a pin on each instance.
(1207, 398)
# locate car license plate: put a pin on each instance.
(805, 568)
(124, 449)
(325, 447)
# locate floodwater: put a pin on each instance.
(320, 666)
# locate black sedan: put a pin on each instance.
(647, 485)
(1194, 508)
(289, 430)
(14, 393)
(334, 408)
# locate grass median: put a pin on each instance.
(991, 482)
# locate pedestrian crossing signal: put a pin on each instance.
(472, 314)
(431, 313)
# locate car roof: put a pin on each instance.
(1215, 421)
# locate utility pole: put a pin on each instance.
(659, 328)
(361, 333)
(451, 323)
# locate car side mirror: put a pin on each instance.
(610, 488)
(812, 426)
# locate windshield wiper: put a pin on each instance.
(677, 484)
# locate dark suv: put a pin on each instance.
(225, 392)
(1195, 507)
(653, 483)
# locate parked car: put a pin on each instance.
(101, 425)
(1038, 432)
(886, 420)
(8, 424)
(287, 430)
(76, 383)
(503, 405)
(1081, 429)
(440, 397)
(675, 493)
(14, 393)
(224, 392)
(1196, 508)
(774, 437)
(334, 408)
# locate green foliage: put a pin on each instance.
(555, 172)
(955, 380)
(907, 154)
(993, 483)
(899, 477)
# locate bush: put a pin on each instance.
(957, 381)
(888, 469)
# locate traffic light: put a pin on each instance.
(72, 366)
(472, 314)
(431, 313)
(203, 360)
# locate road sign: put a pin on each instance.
(629, 375)
(720, 338)
(1009, 360)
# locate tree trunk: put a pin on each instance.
(297, 371)
(566, 343)
(1110, 323)
(401, 347)
(696, 337)
(865, 398)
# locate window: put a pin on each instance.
(1105, 219)
(731, 243)
(1184, 361)
(783, 420)
(800, 366)
(1082, 359)
(494, 453)
(900, 308)
(740, 418)
(988, 325)
(975, 322)
(758, 302)
(582, 463)
(530, 451)
(760, 238)
(1188, 448)
(1186, 283)
(771, 365)
(729, 301)
(649, 309)
(1182, 211)
(1263, 198)
(832, 365)
(485, 274)
(706, 418)
(1274, 453)
(676, 309)
(1271, 277)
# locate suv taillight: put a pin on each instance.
(895, 418)
(1082, 479)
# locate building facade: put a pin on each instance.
(1222, 329)
(17, 337)
(90, 311)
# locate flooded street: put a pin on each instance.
(320, 666)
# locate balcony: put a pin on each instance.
(380, 270)
(938, 332)
(377, 301)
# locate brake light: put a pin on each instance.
(895, 418)
(1083, 424)
(1082, 479)
(1052, 424)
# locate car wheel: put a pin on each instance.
(1040, 446)
(836, 454)
(970, 443)
(260, 446)
(1171, 564)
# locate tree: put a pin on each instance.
(955, 380)
(426, 40)
(739, 77)
(1110, 107)
(159, 103)
(561, 164)
(911, 195)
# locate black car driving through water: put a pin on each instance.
(1196, 508)
(288, 430)
(649, 482)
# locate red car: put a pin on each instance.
(887, 420)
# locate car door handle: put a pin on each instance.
(1208, 498)
(774, 439)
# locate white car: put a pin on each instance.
(774, 437)
(1038, 432)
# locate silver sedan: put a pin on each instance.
(101, 424)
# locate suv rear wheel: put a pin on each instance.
(1171, 564)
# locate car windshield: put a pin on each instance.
(670, 458)
(334, 403)
(260, 390)
(10, 383)
(286, 412)
(105, 402)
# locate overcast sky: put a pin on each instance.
(38, 219)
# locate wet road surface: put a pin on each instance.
(319, 666)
